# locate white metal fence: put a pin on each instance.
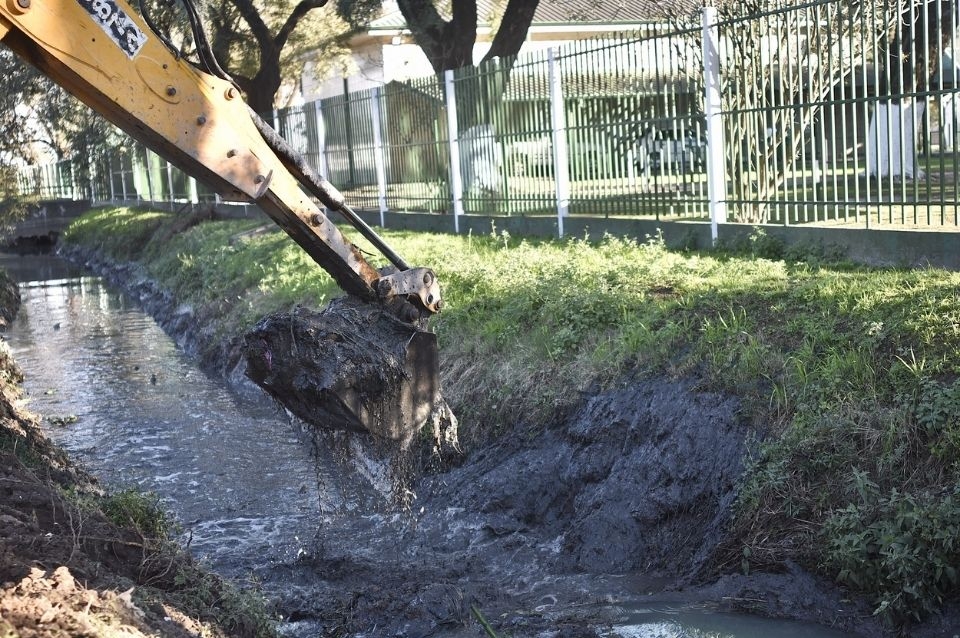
(828, 112)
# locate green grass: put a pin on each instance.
(848, 374)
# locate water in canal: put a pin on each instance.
(251, 492)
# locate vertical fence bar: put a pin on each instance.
(113, 194)
(378, 155)
(716, 173)
(91, 176)
(558, 133)
(453, 135)
(146, 160)
(321, 133)
(192, 195)
(171, 195)
(123, 181)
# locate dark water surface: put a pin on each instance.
(245, 483)
(240, 478)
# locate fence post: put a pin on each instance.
(92, 176)
(321, 140)
(712, 106)
(58, 177)
(558, 121)
(378, 155)
(453, 134)
(146, 161)
(171, 196)
(113, 194)
(192, 188)
(123, 181)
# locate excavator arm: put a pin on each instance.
(105, 54)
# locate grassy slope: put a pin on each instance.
(848, 373)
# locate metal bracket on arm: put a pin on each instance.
(420, 283)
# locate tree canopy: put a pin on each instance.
(263, 45)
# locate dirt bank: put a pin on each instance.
(66, 569)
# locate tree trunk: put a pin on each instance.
(262, 88)
(447, 44)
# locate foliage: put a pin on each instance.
(40, 122)
(240, 612)
(264, 46)
(137, 510)
(903, 549)
(837, 366)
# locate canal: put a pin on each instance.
(258, 499)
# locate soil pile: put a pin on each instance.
(66, 569)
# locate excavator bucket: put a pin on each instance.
(350, 366)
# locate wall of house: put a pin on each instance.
(395, 58)
(366, 71)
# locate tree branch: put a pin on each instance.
(257, 26)
(301, 10)
(513, 29)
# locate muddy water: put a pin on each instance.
(257, 499)
(238, 475)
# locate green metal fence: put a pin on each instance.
(826, 112)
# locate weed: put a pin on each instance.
(240, 612)
(138, 510)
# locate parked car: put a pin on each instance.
(585, 157)
(671, 150)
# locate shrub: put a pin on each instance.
(902, 549)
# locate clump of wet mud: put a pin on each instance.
(353, 366)
(642, 478)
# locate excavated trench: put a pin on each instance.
(589, 527)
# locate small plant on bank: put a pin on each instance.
(902, 549)
(138, 510)
(239, 612)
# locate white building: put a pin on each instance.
(386, 51)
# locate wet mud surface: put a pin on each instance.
(559, 536)
(574, 530)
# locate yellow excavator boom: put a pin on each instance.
(105, 54)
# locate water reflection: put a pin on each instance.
(692, 622)
(237, 475)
